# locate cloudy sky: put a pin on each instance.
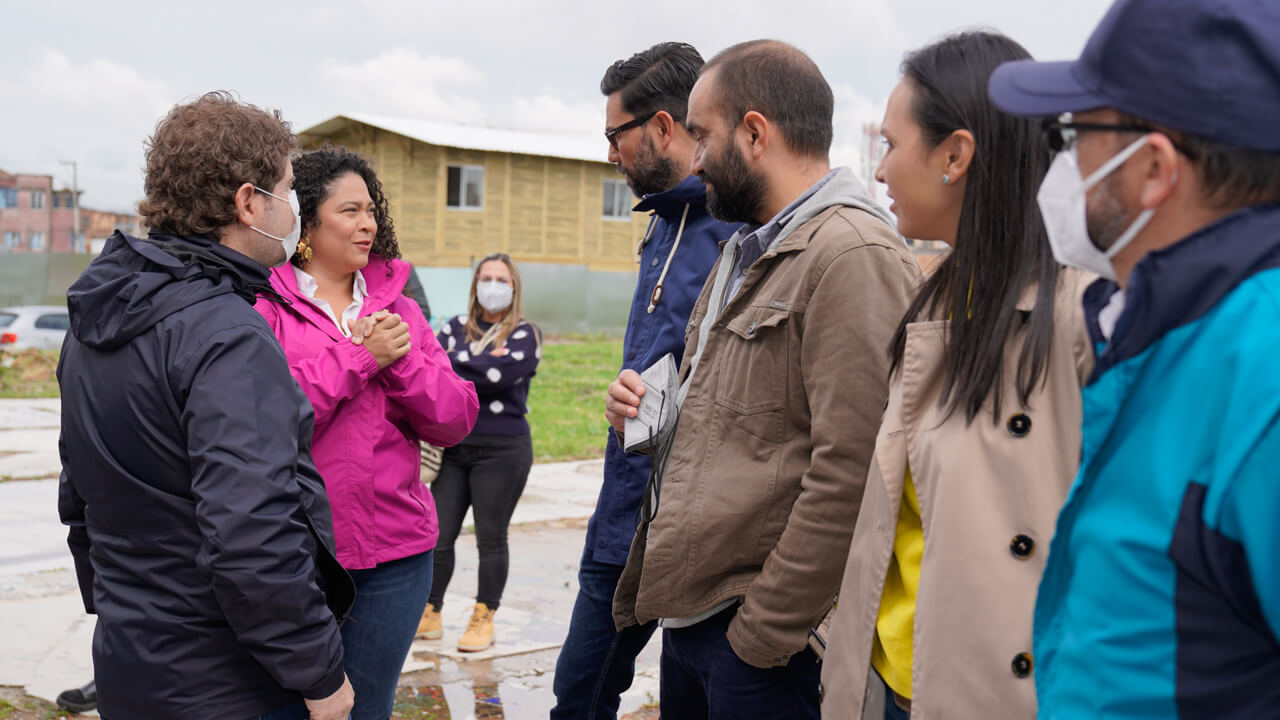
(86, 81)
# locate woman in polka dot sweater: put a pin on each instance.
(494, 347)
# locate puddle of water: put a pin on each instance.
(478, 701)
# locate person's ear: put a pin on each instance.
(959, 149)
(757, 133)
(245, 211)
(1159, 166)
(666, 127)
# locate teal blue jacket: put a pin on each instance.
(1161, 597)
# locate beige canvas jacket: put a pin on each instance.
(989, 496)
(770, 455)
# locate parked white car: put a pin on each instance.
(33, 326)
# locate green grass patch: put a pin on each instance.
(566, 402)
(29, 374)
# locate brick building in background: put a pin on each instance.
(36, 218)
(26, 213)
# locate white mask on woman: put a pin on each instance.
(494, 295)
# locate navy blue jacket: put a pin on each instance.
(649, 337)
(200, 528)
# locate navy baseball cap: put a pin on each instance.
(1206, 67)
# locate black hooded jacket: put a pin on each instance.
(200, 528)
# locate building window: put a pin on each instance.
(37, 241)
(12, 239)
(617, 200)
(9, 198)
(37, 199)
(466, 187)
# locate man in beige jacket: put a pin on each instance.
(784, 379)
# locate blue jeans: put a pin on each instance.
(596, 663)
(702, 677)
(377, 635)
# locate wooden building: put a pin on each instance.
(458, 193)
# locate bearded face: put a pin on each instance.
(734, 193)
(651, 172)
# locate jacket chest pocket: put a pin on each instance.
(754, 363)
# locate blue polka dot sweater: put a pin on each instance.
(502, 382)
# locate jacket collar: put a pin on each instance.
(1027, 300)
(670, 202)
(188, 255)
(384, 281)
(1179, 284)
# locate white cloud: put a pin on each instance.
(549, 111)
(403, 81)
(96, 113)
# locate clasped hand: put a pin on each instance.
(384, 334)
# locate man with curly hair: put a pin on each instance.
(200, 528)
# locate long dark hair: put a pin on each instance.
(313, 176)
(1001, 246)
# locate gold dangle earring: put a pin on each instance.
(304, 250)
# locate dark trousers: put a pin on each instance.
(487, 474)
(597, 663)
(703, 678)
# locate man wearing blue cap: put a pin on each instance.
(1162, 593)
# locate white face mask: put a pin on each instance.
(494, 295)
(1062, 204)
(290, 241)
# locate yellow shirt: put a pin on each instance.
(891, 653)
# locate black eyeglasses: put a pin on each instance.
(612, 135)
(1062, 134)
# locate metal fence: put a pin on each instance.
(38, 279)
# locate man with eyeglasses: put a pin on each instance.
(647, 95)
(1161, 597)
(784, 381)
(199, 526)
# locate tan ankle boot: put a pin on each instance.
(430, 627)
(479, 634)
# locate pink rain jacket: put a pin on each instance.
(369, 422)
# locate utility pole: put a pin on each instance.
(872, 151)
(75, 207)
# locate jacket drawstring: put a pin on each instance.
(656, 296)
(266, 292)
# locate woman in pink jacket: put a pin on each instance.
(379, 382)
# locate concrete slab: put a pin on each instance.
(30, 414)
(33, 539)
(29, 439)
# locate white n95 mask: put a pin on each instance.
(1062, 205)
(290, 241)
(494, 296)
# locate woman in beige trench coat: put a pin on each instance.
(981, 436)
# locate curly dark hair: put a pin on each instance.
(201, 153)
(314, 174)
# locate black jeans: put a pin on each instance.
(486, 473)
